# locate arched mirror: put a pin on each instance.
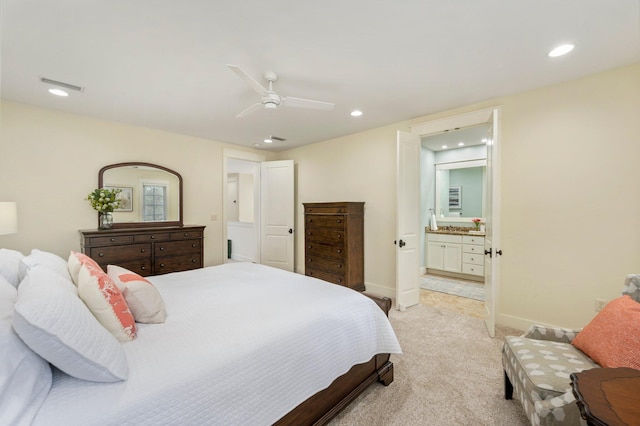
(151, 195)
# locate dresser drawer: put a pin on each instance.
(334, 251)
(177, 263)
(468, 268)
(324, 275)
(473, 258)
(118, 253)
(317, 221)
(147, 238)
(172, 248)
(470, 248)
(141, 267)
(329, 265)
(325, 210)
(186, 235)
(108, 241)
(328, 236)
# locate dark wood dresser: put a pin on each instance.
(334, 242)
(146, 251)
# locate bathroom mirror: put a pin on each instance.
(460, 190)
(151, 194)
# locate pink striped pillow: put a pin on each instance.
(98, 291)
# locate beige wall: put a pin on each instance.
(570, 195)
(49, 162)
(570, 188)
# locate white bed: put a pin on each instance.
(243, 344)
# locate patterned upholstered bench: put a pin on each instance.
(537, 366)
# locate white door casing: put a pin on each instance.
(408, 223)
(277, 214)
(492, 225)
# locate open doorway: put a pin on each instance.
(242, 213)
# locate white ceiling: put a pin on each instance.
(161, 64)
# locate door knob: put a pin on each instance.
(489, 252)
(401, 243)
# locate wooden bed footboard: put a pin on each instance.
(320, 408)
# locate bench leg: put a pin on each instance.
(508, 387)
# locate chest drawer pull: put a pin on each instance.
(161, 248)
(101, 254)
(113, 240)
(143, 267)
(142, 250)
(153, 237)
(162, 265)
(339, 220)
(186, 234)
(193, 261)
(193, 245)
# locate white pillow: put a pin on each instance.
(55, 323)
(142, 297)
(10, 265)
(25, 378)
(50, 260)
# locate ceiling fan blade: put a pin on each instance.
(249, 110)
(250, 80)
(306, 103)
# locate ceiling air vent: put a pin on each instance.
(62, 84)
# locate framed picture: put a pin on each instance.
(126, 198)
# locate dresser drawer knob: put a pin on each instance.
(143, 268)
(339, 236)
(310, 273)
(153, 237)
(339, 265)
(142, 250)
(186, 234)
(309, 233)
(339, 250)
(162, 265)
(339, 220)
(309, 260)
(101, 254)
(193, 261)
(309, 247)
(193, 245)
(161, 248)
(113, 240)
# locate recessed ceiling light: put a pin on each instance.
(460, 143)
(561, 50)
(444, 147)
(268, 141)
(356, 113)
(58, 92)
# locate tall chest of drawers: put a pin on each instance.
(146, 251)
(334, 242)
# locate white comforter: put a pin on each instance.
(243, 344)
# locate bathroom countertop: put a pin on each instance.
(455, 230)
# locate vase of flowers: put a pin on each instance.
(476, 222)
(104, 201)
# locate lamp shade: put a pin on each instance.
(8, 217)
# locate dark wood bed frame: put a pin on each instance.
(326, 404)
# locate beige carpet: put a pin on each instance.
(450, 373)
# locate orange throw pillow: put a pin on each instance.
(612, 338)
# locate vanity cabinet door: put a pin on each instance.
(452, 257)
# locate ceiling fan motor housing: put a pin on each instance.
(271, 101)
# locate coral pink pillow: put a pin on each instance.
(106, 302)
(143, 298)
(76, 260)
(612, 338)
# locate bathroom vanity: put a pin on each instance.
(456, 253)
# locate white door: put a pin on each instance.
(408, 222)
(492, 238)
(277, 207)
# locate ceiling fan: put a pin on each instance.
(271, 100)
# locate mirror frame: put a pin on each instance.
(464, 164)
(123, 225)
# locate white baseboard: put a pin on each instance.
(519, 323)
(423, 270)
(380, 290)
